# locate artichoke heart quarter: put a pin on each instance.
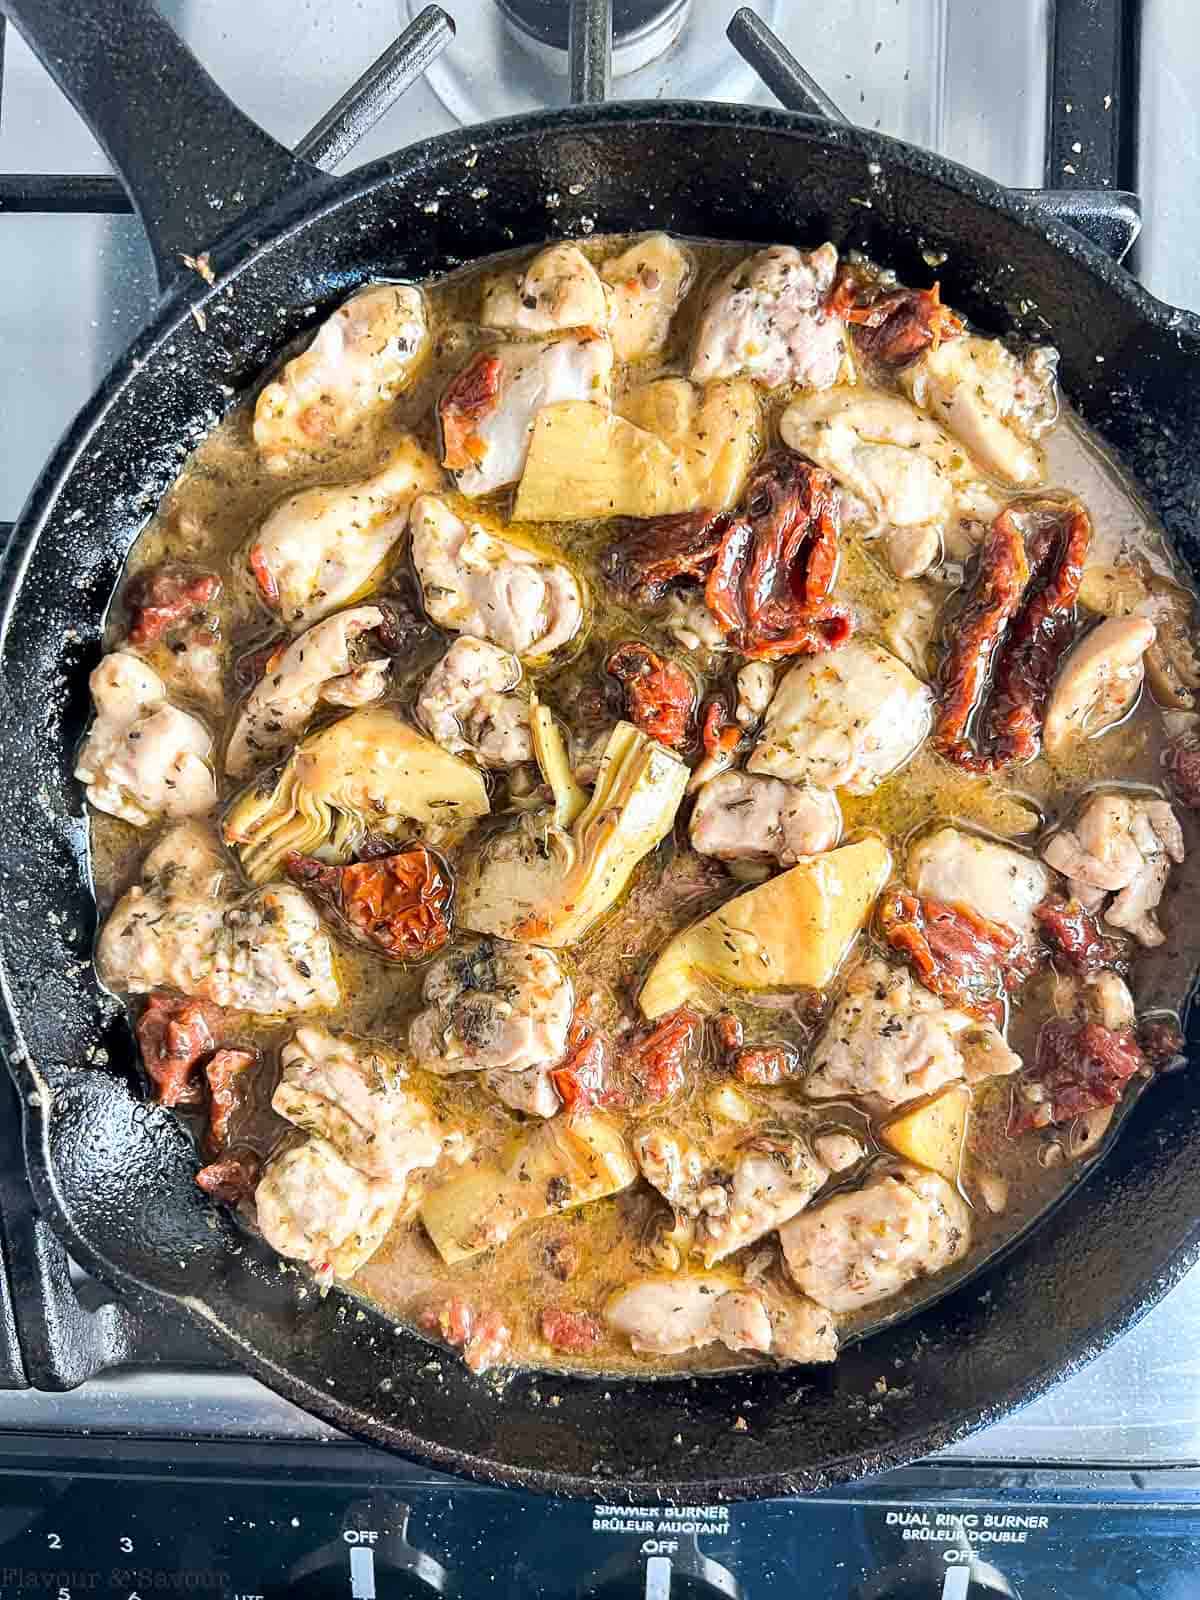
(369, 772)
(549, 884)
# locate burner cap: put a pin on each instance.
(546, 20)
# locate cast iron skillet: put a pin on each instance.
(113, 1174)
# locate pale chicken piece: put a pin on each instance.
(468, 704)
(322, 666)
(889, 1040)
(740, 816)
(767, 319)
(1124, 845)
(646, 284)
(994, 880)
(1099, 682)
(360, 360)
(531, 1092)
(314, 1207)
(355, 1098)
(846, 720)
(734, 1193)
(143, 758)
(478, 583)
(755, 686)
(559, 289)
(866, 1245)
(801, 1330)
(181, 929)
(494, 1005)
(838, 1150)
(995, 403)
(909, 625)
(917, 487)
(666, 1316)
(489, 410)
(714, 432)
(322, 548)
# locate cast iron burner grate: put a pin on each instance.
(53, 1335)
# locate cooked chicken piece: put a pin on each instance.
(1120, 844)
(488, 411)
(714, 433)
(755, 686)
(265, 952)
(1173, 660)
(741, 817)
(468, 704)
(531, 1092)
(494, 1005)
(735, 1193)
(559, 289)
(1000, 883)
(323, 548)
(918, 488)
(353, 1097)
(846, 720)
(474, 582)
(647, 284)
(143, 758)
(1098, 683)
(838, 1151)
(666, 1316)
(801, 1330)
(1107, 1000)
(909, 626)
(359, 361)
(192, 666)
(997, 405)
(323, 665)
(766, 318)
(866, 1245)
(313, 1207)
(890, 1040)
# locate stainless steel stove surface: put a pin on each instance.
(971, 80)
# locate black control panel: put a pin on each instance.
(336, 1523)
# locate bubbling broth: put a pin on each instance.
(641, 798)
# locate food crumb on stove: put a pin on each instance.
(740, 1425)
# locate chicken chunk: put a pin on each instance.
(917, 488)
(493, 1006)
(647, 284)
(475, 582)
(143, 758)
(323, 548)
(734, 1193)
(468, 704)
(1120, 844)
(739, 816)
(560, 289)
(995, 403)
(488, 411)
(767, 319)
(846, 720)
(964, 869)
(360, 360)
(314, 1207)
(181, 929)
(531, 1092)
(666, 1316)
(889, 1040)
(353, 1097)
(1098, 682)
(866, 1245)
(324, 665)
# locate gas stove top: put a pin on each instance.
(1075, 96)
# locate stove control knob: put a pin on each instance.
(685, 1574)
(974, 1581)
(372, 1560)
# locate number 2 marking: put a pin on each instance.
(53, 1540)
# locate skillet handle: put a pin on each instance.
(192, 163)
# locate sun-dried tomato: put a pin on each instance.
(399, 904)
(572, 1331)
(719, 731)
(649, 556)
(1079, 1067)
(1182, 761)
(895, 329)
(769, 584)
(964, 958)
(225, 1072)
(659, 696)
(268, 587)
(765, 1065)
(651, 1065)
(1076, 939)
(1162, 1041)
(582, 1077)
(468, 399)
(162, 597)
(175, 1035)
(232, 1177)
(729, 1034)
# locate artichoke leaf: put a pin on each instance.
(586, 462)
(547, 884)
(368, 772)
(550, 749)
